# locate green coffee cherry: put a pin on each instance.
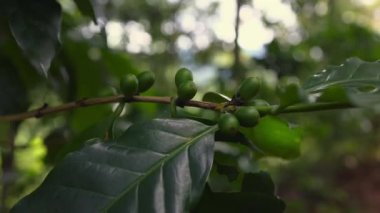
(146, 80)
(228, 124)
(187, 90)
(274, 136)
(247, 116)
(183, 75)
(248, 89)
(129, 84)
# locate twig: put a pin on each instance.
(45, 110)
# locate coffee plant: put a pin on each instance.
(166, 164)
(163, 165)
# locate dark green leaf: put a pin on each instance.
(291, 94)
(157, 166)
(259, 182)
(35, 26)
(208, 117)
(86, 8)
(97, 130)
(334, 94)
(242, 202)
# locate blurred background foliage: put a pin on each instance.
(339, 168)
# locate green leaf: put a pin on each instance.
(259, 182)
(98, 130)
(35, 26)
(215, 97)
(291, 94)
(157, 166)
(346, 74)
(334, 94)
(208, 117)
(360, 80)
(86, 8)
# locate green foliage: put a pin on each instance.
(360, 80)
(134, 173)
(291, 94)
(91, 63)
(86, 8)
(257, 195)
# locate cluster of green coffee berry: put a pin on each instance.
(246, 116)
(186, 88)
(271, 135)
(229, 123)
(131, 84)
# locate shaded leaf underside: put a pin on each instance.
(36, 26)
(360, 80)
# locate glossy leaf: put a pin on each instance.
(215, 97)
(156, 166)
(86, 8)
(35, 26)
(360, 80)
(99, 130)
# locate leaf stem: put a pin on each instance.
(86, 102)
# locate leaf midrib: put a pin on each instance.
(159, 163)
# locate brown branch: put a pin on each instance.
(45, 110)
(86, 102)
